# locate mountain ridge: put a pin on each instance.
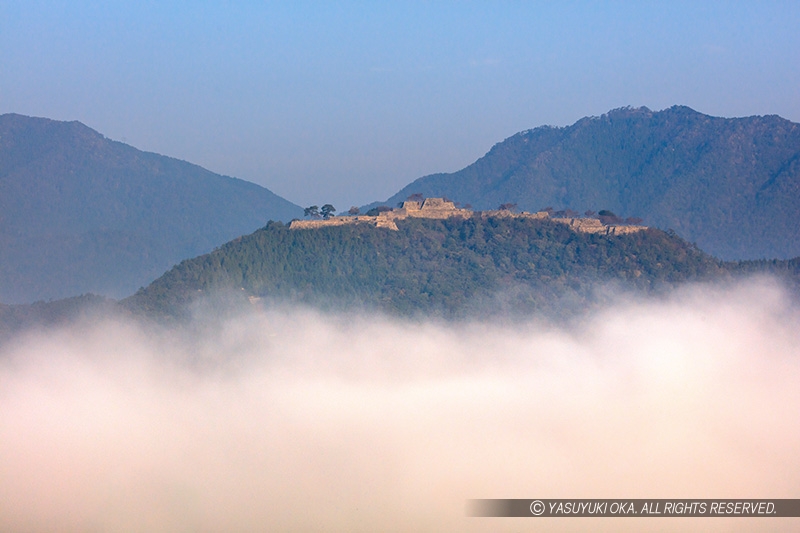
(83, 213)
(731, 185)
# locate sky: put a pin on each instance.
(347, 102)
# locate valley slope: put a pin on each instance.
(81, 213)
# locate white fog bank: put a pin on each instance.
(293, 420)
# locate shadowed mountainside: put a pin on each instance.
(730, 185)
(81, 213)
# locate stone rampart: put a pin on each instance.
(584, 225)
(505, 213)
(439, 208)
(593, 225)
(333, 221)
(624, 230)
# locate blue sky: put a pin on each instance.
(347, 102)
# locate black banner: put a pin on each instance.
(634, 508)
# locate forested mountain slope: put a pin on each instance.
(732, 185)
(448, 268)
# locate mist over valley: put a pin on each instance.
(355, 266)
(287, 418)
(353, 377)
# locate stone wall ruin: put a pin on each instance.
(439, 208)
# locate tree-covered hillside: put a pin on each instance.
(730, 185)
(81, 213)
(443, 267)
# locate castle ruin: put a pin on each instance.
(439, 208)
(429, 208)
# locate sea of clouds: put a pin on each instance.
(290, 419)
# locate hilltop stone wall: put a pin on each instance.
(332, 221)
(380, 221)
(593, 225)
(439, 208)
(505, 213)
(624, 230)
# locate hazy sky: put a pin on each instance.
(348, 102)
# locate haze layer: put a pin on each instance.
(287, 419)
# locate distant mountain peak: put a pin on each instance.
(728, 184)
(82, 213)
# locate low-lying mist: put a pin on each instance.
(290, 419)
